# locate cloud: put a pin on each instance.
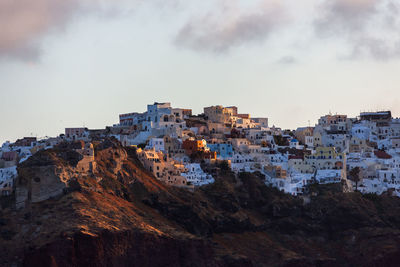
(344, 16)
(379, 49)
(24, 23)
(230, 25)
(286, 60)
(369, 27)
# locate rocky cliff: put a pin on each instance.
(119, 215)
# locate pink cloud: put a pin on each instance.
(230, 25)
(25, 21)
(370, 27)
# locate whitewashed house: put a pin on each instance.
(196, 176)
(157, 144)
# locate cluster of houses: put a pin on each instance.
(175, 145)
(12, 154)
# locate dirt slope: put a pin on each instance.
(122, 216)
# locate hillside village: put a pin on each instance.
(175, 146)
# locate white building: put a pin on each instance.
(7, 177)
(196, 176)
(361, 131)
(294, 143)
(309, 141)
(157, 144)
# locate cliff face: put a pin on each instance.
(120, 215)
(44, 176)
(124, 248)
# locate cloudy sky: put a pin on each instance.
(72, 63)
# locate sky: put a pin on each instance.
(74, 63)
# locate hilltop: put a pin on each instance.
(121, 215)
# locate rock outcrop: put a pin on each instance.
(119, 215)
